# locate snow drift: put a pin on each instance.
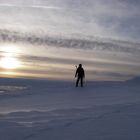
(39, 110)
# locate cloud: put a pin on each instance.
(30, 6)
(106, 30)
(112, 74)
(97, 44)
(117, 19)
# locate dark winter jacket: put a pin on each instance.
(80, 72)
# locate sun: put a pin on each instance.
(9, 56)
(9, 63)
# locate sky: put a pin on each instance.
(47, 38)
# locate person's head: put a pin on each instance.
(80, 65)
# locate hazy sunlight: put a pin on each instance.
(9, 63)
(8, 59)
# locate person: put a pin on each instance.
(80, 74)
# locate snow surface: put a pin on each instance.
(57, 110)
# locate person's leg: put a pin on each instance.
(77, 81)
(81, 82)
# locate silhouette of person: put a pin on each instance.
(80, 74)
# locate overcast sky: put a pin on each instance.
(109, 18)
(91, 27)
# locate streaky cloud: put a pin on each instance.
(112, 74)
(29, 6)
(94, 43)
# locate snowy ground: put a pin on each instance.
(53, 110)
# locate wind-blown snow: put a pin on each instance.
(40, 110)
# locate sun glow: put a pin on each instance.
(12, 49)
(9, 63)
(9, 58)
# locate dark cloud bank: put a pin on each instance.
(94, 43)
